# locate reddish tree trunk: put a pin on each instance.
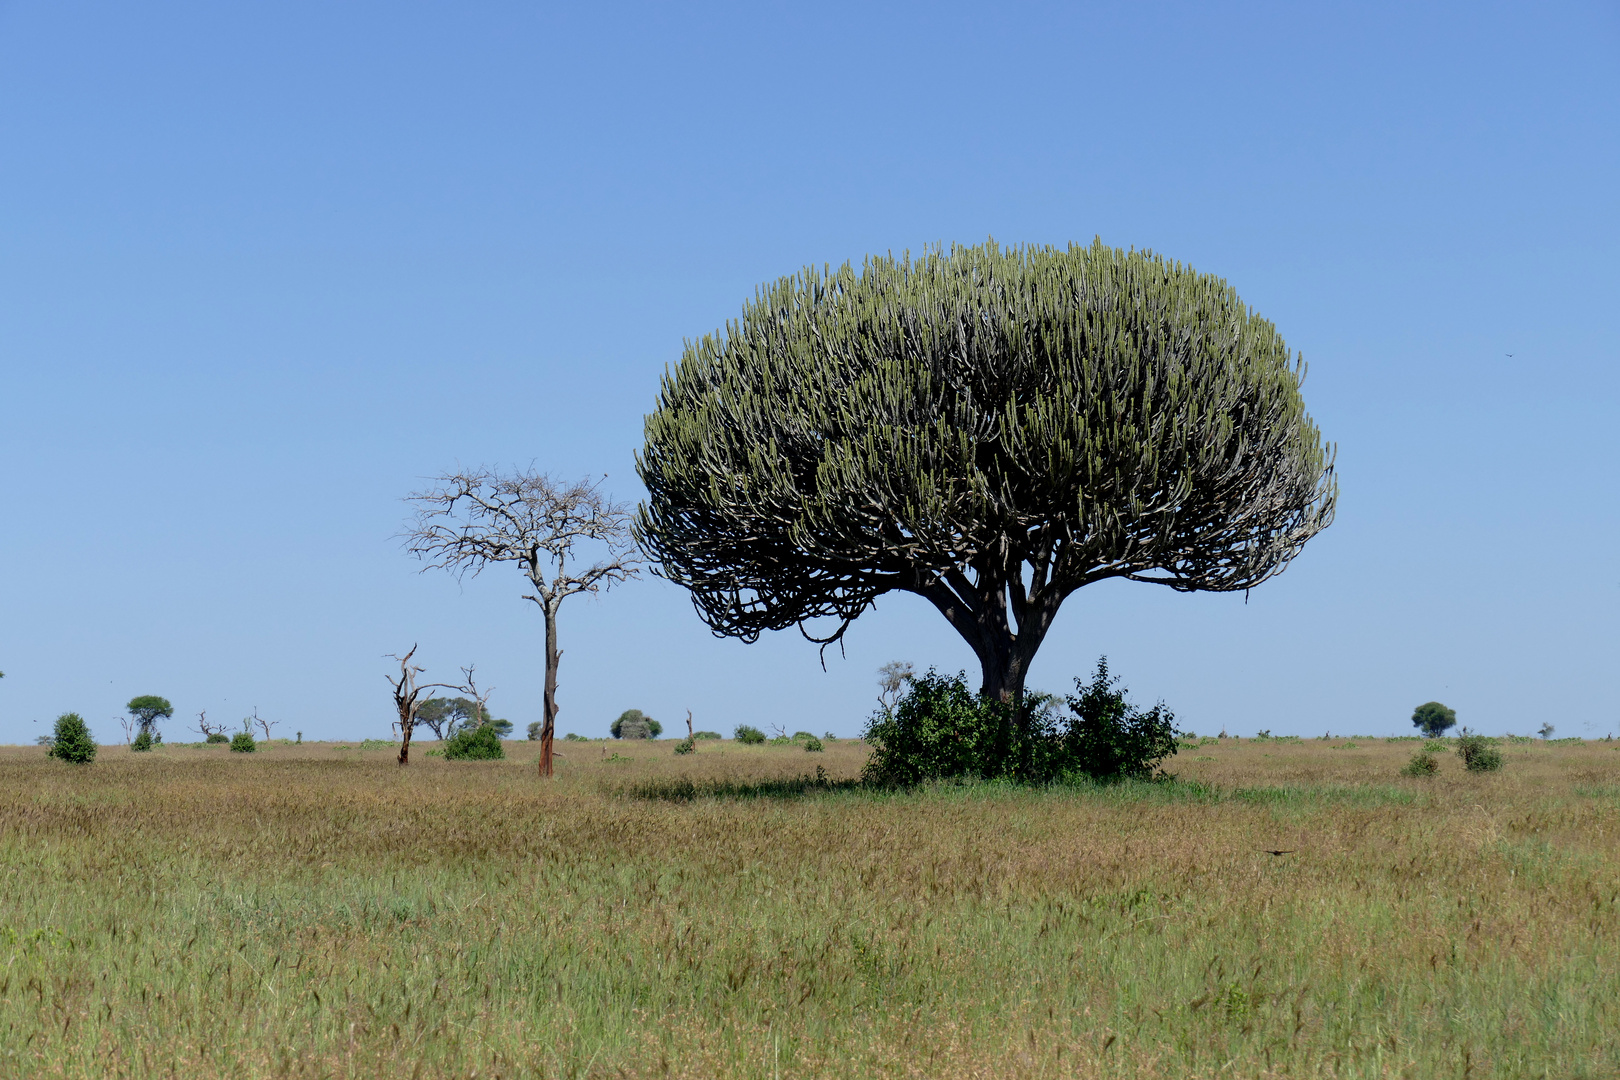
(548, 729)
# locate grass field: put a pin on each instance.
(311, 911)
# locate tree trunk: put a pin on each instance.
(548, 728)
(405, 741)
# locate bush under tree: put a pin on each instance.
(748, 735)
(242, 743)
(72, 741)
(1433, 719)
(940, 729)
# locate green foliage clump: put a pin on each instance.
(813, 745)
(685, 746)
(706, 735)
(634, 724)
(479, 743)
(72, 741)
(1422, 764)
(942, 730)
(142, 742)
(1434, 746)
(1479, 753)
(748, 736)
(534, 734)
(1433, 718)
(242, 743)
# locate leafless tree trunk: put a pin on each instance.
(264, 725)
(408, 698)
(468, 520)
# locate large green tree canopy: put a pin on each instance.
(988, 428)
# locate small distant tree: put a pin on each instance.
(444, 716)
(469, 520)
(1433, 719)
(145, 711)
(535, 730)
(891, 680)
(1546, 731)
(634, 724)
(72, 741)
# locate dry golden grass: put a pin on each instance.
(310, 911)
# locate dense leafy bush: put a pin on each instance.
(813, 745)
(1422, 764)
(142, 742)
(220, 737)
(1479, 753)
(749, 736)
(706, 735)
(685, 746)
(634, 724)
(570, 737)
(1433, 718)
(940, 729)
(242, 743)
(72, 741)
(479, 743)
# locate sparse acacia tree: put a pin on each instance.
(987, 428)
(468, 520)
(146, 710)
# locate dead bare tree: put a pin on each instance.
(206, 728)
(408, 699)
(468, 520)
(264, 725)
(480, 701)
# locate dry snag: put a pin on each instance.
(408, 699)
(471, 519)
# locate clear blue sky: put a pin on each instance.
(263, 267)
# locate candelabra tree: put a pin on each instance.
(988, 428)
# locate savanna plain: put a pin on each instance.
(317, 911)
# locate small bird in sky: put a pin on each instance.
(1508, 355)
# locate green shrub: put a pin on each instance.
(813, 745)
(242, 743)
(570, 737)
(1479, 754)
(72, 741)
(748, 736)
(1422, 764)
(474, 744)
(1434, 746)
(941, 730)
(142, 742)
(685, 746)
(706, 735)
